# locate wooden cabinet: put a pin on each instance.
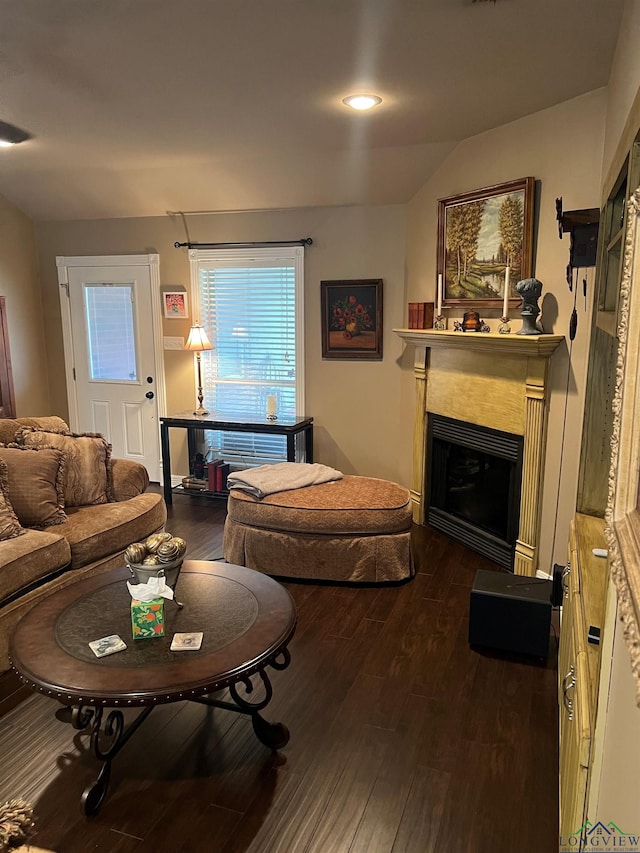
(584, 586)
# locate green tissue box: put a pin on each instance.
(147, 618)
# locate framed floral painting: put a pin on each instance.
(480, 235)
(175, 304)
(352, 318)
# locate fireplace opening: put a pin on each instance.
(474, 476)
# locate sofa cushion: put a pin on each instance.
(30, 558)
(35, 478)
(87, 477)
(10, 426)
(9, 524)
(95, 531)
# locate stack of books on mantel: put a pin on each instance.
(420, 315)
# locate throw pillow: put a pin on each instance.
(34, 484)
(87, 463)
(9, 524)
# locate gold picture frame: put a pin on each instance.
(480, 233)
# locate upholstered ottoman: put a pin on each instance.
(353, 529)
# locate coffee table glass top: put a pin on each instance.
(221, 608)
(247, 619)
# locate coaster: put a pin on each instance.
(107, 645)
(187, 642)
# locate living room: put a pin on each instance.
(574, 146)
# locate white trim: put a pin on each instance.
(108, 260)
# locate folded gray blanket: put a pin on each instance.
(269, 479)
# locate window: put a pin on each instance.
(250, 304)
(110, 332)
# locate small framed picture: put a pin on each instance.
(175, 304)
(352, 318)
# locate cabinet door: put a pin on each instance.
(575, 731)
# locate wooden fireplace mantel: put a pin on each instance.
(541, 346)
(491, 380)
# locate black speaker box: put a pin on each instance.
(511, 613)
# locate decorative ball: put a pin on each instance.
(151, 560)
(135, 553)
(167, 551)
(181, 545)
(152, 542)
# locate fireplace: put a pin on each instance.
(500, 384)
(473, 479)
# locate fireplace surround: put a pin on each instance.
(499, 382)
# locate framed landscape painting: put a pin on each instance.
(352, 318)
(480, 234)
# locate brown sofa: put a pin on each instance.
(91, 540)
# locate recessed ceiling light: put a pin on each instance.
(362, 102)
(11, 135)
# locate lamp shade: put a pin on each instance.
(198, 340)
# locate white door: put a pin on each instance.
(110, 315)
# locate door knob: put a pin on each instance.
(149, 395)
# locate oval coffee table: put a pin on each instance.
(247, 620)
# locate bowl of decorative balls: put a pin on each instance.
(158, 552)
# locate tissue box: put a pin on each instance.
(147, 618)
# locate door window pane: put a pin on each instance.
(110, 332)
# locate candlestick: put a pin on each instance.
(505, 305)
(271, 407)
(439, 311)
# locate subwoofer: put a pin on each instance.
(511, 613)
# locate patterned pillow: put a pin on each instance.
(34, 484)
(9, 524)
(87, 463)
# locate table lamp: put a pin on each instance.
(198, 342)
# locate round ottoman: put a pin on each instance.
(353, 529)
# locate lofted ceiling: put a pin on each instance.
(137, 107)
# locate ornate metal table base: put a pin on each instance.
(106, 743)
(108, 740)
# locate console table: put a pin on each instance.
(285, 425)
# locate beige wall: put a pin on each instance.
(623, 109)
(562, 148)
(355, 404)
(20, 285)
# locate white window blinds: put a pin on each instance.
(250, 303)
(110, 332)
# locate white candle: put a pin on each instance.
(271, 404)
(505, 306)
(439, 307)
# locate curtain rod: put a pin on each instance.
(305, 241)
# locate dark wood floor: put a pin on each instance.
(402, 737)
